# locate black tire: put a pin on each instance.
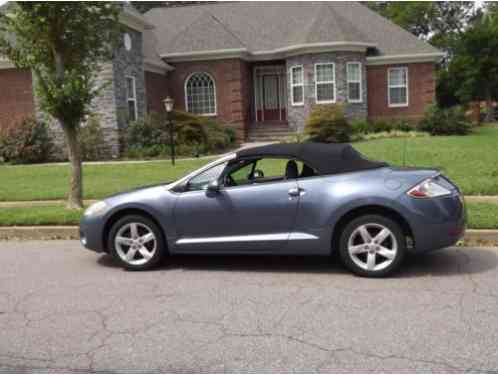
(371, 222)
(143, 223)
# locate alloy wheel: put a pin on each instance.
(135, 243)
(372, 247)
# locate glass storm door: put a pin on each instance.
(270, 88)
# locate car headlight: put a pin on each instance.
(428, 189)
(97, 209)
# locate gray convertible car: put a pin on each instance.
(300, 199)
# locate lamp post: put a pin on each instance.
(168, 106)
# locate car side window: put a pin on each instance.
(202, 180)
(275, 167)
(242, 176)
(264, 170)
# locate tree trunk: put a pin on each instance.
(490, 110)
(74, 200)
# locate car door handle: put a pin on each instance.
(295, 192)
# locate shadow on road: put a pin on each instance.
(439, 263)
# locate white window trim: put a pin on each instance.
(215, 113)
(389, 86)
(134, 99)
(292, 84)
(360, 82)
(325, 82)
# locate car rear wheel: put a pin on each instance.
(372, 246)
(136, 242)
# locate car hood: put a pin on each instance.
(139, 191)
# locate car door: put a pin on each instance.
(249, 217)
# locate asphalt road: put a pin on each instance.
(63, 308)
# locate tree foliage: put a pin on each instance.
(474, 66)
(63, 43)
(438, 22)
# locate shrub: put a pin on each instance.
(403, 126)
(327, 123)
(193, 135)
(24, 142)
(445, 121)
(93, 146)
(360, 127)
(379, 126)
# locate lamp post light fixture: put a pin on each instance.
(168, 106)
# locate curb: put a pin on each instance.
(473, 237)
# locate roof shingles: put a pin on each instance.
(267, 26)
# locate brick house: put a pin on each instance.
(257, 66)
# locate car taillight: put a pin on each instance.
(428, 189)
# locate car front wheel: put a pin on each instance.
(372, 246)
(136, 242)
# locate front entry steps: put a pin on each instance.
(269, 133)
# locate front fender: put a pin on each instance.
(162, 218)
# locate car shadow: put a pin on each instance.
(440, 263)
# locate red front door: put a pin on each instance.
(271, 100)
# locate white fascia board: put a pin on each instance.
(325, 46)
(205, 55)
(278, 53)
(156, 67)
(405, 59)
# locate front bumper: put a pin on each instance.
(92, 233)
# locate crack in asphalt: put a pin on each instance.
(101, 333)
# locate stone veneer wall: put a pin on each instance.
(129, 63)
(297, 115)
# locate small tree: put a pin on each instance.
(63, 44)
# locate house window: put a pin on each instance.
(397, 82)
(200, 94)
(325, 83)
(297, 85)
(354, 82)
(131, 97)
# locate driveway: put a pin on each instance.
(63, 308)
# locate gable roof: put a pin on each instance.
(258, 30)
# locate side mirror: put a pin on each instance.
(258, 173)
(213, 186)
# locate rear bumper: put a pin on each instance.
(437, 223)
(92, 234)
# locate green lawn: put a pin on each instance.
(481, 215)
(470, 161)
(48, 182)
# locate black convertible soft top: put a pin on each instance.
(325, 158)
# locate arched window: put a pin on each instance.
(200, 94)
